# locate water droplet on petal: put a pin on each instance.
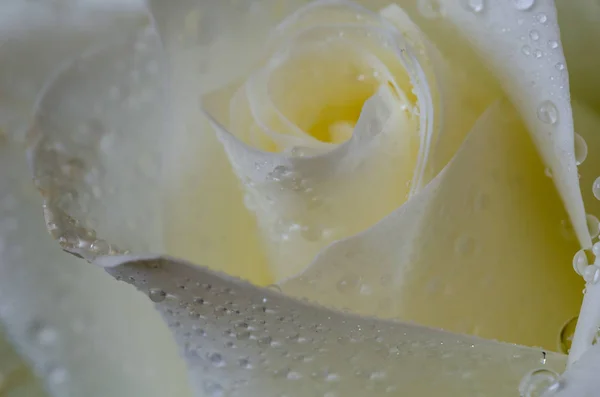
(548, 172)
(542, 18)
(591, 274)
(534, 35)
(524, 5)
(526, 50)
(538, 54)
(553, 44)
(581, 149)
(593, 225)
(547, 112)
(537, 382)
(580, 262)
(596, 188)
(560, 66)
(157, 295)
(566, 334)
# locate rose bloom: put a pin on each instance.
(310, 199)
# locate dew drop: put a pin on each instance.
(216, 360)
(560, 66)
(548, 172)
(430, 9)
(100, 247)
(591, 274)
(581, 149)
(553, 44)
(538, 54)
(157, 295)
(542, 18)
(537, 382)
(534, 35)
(526, 50)
(566, 334)
(593, 225)
(596, 188)
(580, 262)
(547, 112)
(596, 249)
(523, 5)
(475, 6)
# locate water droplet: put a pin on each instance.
(216, 360)
(347, 284)
(591, 274)
(292, 375)
(157, 295)
(593, 225)
(100, 247)
(523, 5)
(581, 149)
(538, 54)
(547, 112)
(580, 262)
(526, 50)
(429, 8)
(566, 334)
(475, 6)
(553, 44)
(537, 382)
(560, 66)
(548, 172)
(596, 188)
(542, 18)
(534, 35)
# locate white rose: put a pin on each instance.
(431, 180)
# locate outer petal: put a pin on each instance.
(85, 334)
(240, 340)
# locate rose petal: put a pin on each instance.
(241, 340)
(535, 79)
(85, 334)
(473, 255)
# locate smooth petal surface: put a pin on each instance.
(84, 333)
(240, 340)
(476, 255)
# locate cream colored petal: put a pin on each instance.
(240, 340)
(513, 43)
(304, 202)
(481, 254)
(84, 333)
